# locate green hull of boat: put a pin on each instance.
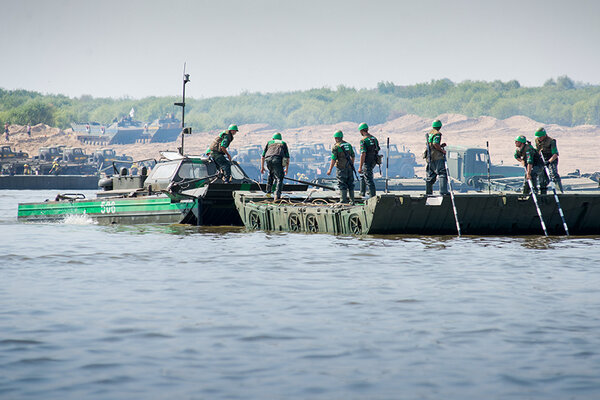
(150, 209)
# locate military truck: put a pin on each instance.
(401, 164)
(50, 153)
(249, 159)
(12, 162)
(106, 160)
(75, 155)
(7, 154)
(470, 165)
(109, 155)
(308, 161)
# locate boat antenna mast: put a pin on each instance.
(188, 130)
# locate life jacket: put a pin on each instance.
(276, 147)
(525, 151)
(546, 146)
(216, 146)
(435, 153)
(371, 146)
(341, 161)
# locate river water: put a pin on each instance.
(156, 312)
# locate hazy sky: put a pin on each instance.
(137, 48)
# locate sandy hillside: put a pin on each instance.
(408, 131)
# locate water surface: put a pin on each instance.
(158, 312)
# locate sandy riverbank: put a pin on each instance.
(407, 131)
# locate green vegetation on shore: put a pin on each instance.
(560, 101)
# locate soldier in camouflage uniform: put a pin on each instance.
(277, 156)
(547, 147)
(342, 156)
(531, 160)
(369, 157)
(218, 151)
(436, 156)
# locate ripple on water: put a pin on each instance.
(20, 342)
(99, 366)
(35, 361)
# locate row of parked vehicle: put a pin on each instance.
(311, 161)
(60, 160)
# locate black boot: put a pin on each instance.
(444, 185)
(428, 188)
(344, 196)
(559, 184)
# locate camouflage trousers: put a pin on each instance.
(345, 178)
(436, 168)
(275, 166)
(537, 174)
(366, 179)
(223, 163)
(545, 179)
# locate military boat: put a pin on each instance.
(179, 189)
(414, 213)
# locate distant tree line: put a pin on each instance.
(561, 101)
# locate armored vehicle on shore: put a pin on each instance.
(123, 131)
(163, 130)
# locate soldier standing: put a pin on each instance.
(547, 147)
(218, 151)
(532, 161)
(277, 156)
(436, 155)
(369, 157)
(342, 156)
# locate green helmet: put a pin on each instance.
(233, 127)
(520, 139)
(363, 127)
(540, 132)
(437, 124)
(338, 134)
(277, 136)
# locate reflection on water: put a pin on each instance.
(151, 311)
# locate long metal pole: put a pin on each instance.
(387, 165)
(537, 207)
(553, 186)
(183, 110)
(452, 196)
(487, 145)
(186, 79)
(310, 183)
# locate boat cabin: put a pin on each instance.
(189, 171)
